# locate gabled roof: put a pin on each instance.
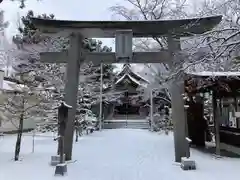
(127, 73)
(127, 76)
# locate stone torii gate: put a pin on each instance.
(123, 32)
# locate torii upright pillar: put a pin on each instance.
(177, 102)
(71, 89)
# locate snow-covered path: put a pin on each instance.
(120, 154)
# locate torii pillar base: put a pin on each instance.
(61, 169)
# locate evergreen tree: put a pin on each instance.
(93, 73)
(90, 87)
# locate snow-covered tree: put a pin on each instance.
(27, 101)
(92, 73)
(224, 40)
(89, 91)
(150, 10)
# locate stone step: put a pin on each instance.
(139, 124)
(128, 117)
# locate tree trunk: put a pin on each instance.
(19, 138)
(58, 149)
(77, 134)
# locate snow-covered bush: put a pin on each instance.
(161, 121)
(43, 128)
(162, 118)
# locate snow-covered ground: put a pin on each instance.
(121, 154)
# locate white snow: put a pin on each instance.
(120, 79)
(11, 86)
(121, 154)
(210, 73)
(7, 85)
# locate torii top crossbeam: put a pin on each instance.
(107, 29)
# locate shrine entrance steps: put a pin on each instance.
(126, 117)
(126, 124)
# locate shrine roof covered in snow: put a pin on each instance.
(106, 29)
(127, 73)
(216, 74)
(221, 82)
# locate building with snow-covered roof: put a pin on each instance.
(8, 86)
(223, 98)
(130, 105)
(128, 75)
(124, 101)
